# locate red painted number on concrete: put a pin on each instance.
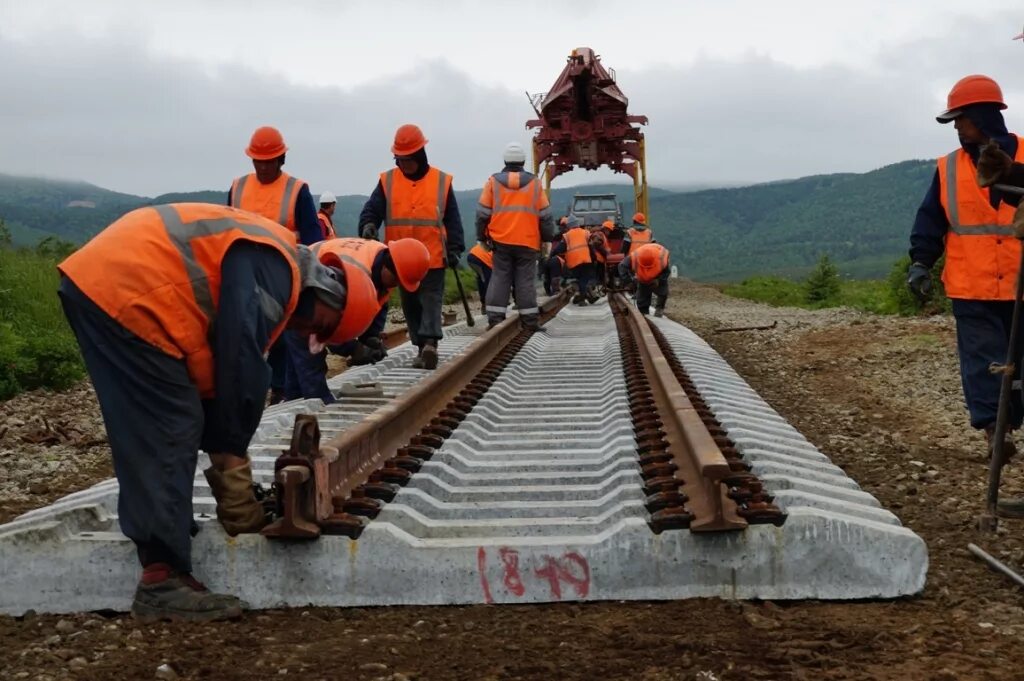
(569, 569)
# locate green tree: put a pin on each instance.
(822, 285)
(6, 240)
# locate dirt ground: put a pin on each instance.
(881, 396)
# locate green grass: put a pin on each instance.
(870, 295)
(451, 291)
(37, 348)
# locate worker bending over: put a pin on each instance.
(416, 200)
(579, 259)
(174, 307)
(514, 215)
(372, 270)
(649, 265)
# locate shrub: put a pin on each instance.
(904, 302)
(821, 289)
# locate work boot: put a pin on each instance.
(659, 312)
(237, 508)
(418, 362)
(164, 594)
(1009, 448)
(430, 355)
(1010, 508)
(276, 396)
(360, 356)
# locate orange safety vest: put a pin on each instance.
(274, 201)
(647, 275)
(598, 255)
(577, 247)
(485, 256)
(156, 271)
(415, 210)
(982, 255)
(326, 225)
(514, 211)
(355, 258)
(639, 236)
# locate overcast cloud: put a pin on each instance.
(148, 98)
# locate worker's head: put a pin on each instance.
(514, 155)
(573, 221)
(974, 104)
(608, 225)
(321, 300)
(267, 150)
(639, 219)
(409, 149)
(328, 203)
(407, 263)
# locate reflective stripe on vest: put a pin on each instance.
(275, 201)
(982, 255)
(415, 210)
(639, 236)
(326, 225)
(577, 247)
(645, 275)
(363, 300)
(515, 211)
(156, 271)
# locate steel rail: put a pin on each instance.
(318, 484)
(699, 463)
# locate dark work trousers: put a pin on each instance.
(515, 271)
(422, 309)
(584, 276)
(659, 287)
(483, 276)
(305, 374)
(552, 275)
(982, 337)
(154, 421)
(277, 358)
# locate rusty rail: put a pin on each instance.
(685, 469)
(346, 479)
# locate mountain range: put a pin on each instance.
(860, 220)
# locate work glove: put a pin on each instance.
(237, 508)
(993, 165)
(368, 231)
(919, 280)
(1018, 221)
(453, 258)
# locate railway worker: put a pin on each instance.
(649, 265)
(481, 261)
(972, 225)
(579, 259)
(601, 249)
(277, 196)
(328, 203)
(372, 270)
(173, 307)
(514, 214)
(638, 234)
(554, 270)
(416, 200)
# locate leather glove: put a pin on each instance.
(1018, 222)
(368, 231)
(237, 508)
(993, 165)
(919, 280)
(453, 258)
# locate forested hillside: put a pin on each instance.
(860, 220)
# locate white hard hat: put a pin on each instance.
(327, 197)
(514, 153)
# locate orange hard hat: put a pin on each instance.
(266, 143)
(412, 261)
(408, 140)
(651, 260)
(608, 224)
(640, 218)
(974, 89)
(361, 306)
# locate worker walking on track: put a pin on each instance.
(277, 196)
(579, 259)
(174, 307)
(514, 214)
(638, 234)
(649, 265)
(326, 215)
(372, 270)
(481, 261)
(416, 200)
(973, 226)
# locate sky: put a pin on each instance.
(153, 97)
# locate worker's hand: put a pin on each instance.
(993, 165)
(1018, 221)
(453, 258)
(237, 507)
(919, 280)
(368, 231)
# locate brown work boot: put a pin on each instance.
(1009, 448)
(237, 508)
(164, 594)
(430, 355)
(659, 312)
(418, 362)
